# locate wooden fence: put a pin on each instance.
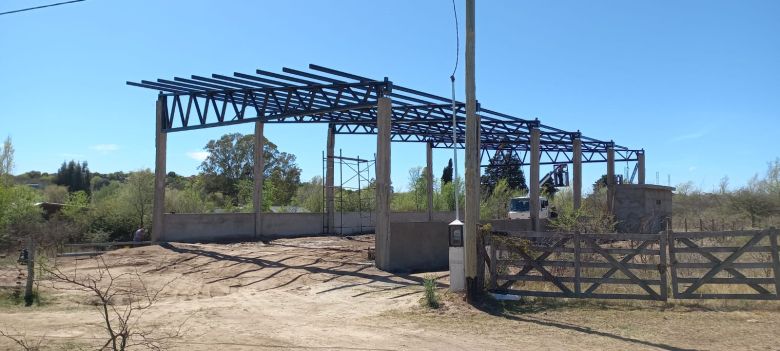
(635, 266)
(725, 265)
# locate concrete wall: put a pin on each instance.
(240, 226)
(640, 208)
(516, 225)
(209, 227)
(419, 246)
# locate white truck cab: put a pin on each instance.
(520, 208)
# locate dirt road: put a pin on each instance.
(324, 294)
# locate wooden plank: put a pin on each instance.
(730, 296)
(623, 269)
(493, 264)
(614, 270)
(714, 259)
(662, 247)
(526, 235)
(551, 278)
(577, 263)
(701, 235)
(721, 249)
(775, 259)
(583, 264)
(720, 266)
(77, 254)
(592, 296)
(622, 236)
(673, 262)
(732, 265)
(732, 281)
(614, 251)
(587, 280)
(116, 243)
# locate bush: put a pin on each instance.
(430, 299)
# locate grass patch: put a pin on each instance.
(13, 297)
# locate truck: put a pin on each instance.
(520, 208)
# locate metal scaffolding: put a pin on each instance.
(356, 184)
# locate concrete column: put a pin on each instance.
(259, 171)
(429, 177)
(382, 229)
(610, 177)
(161, 144)
(533, 180)
(577, 173)
(640, 162)
(330, 208)
(471, 224)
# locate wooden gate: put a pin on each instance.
(574, 265)
(725, 265)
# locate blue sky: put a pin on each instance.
(694, 83)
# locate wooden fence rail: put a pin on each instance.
(702, 265)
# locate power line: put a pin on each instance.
(457, 40)
(40, 7)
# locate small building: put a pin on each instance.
(642, 208)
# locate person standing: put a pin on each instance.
(139, 235)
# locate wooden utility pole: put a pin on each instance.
(472, 163)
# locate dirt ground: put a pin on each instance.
(324, 294)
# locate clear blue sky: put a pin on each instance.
(695, 83)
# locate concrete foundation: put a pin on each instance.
(641, 208)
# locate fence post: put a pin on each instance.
(701, 225)
(493, 263)
(480, 278)
(671, 261)
(773, 233)
(663, 264)
(577, 264)
(686, 224)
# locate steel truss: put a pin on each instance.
(348, 102)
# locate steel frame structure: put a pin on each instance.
(348, 102)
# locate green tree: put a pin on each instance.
(138, 195)
(309, 195)
(6, 160)
(504, 166)
(74, 175)
(446, 173)
(231, 158)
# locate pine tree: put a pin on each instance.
(446, 174)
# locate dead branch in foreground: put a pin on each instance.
(122, 300)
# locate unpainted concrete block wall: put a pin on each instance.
(419, 246)
(216, 227)
(642, 208)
